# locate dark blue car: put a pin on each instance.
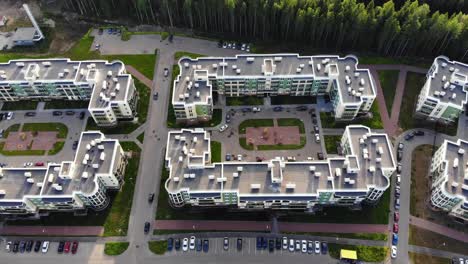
(206, 245)
(264, 243)
(394, 239)
(170, 243)
(259, 243)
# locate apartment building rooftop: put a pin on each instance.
(192, 86)
(188, 160)
(107, 79)
(95, 155)
(456, 158)
(448, 81)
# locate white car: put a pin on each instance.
(291, 245)
(256, 109)
(224, 45)
(394, 251)
(8, 246)
(304, 246)
(45, 246)
(317, 138)
(285, 243)
(223, 127)
(192, 243)
(317, 247)
(185, 244)
(239, 157)
(398, 179)
(9, 116)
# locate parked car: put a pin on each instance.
(239, 244)
(398, 179)
(45, 246)
(301, 108)
(397, 192)
(29, 245)
(399, 168)
(9, 116)
(228, 118)
(394, 252)
(192, 243)
(74, 247)
(22, 246)
(316, 129)
(259, 243)
(8, 246)
(60, 247)
(320, 156)
(226, 243)
(147, 227)
(223, 127)
(177, 244)
(256, 109)
(324, 247)
(170, 244)
(198, 244)
(298, 245)
(39, 164)
(314, 121)
(409, 136)
(400, 146)
(57, 113)
(66, 247)
(394, 239)
(317, 138)
(150, 197)
(185, 244)
(278, 243)
(396, 216)
(16, 246)
(397, 204)
(291, 245)
(304, 246)
(399, 155)
(155, 96)
(419, 133)
(166, 72)
(228, 157)
(239, 157)
(30, 114)
(264, 243)
(277, 108)
(271, 245)
(395, 228)
(75, 145)
(70, 113)
(82, 115)
(317, 247)
(246, 110)
(206, 245)
(310, 247)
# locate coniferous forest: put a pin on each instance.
(389, 28)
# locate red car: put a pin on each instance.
(66, 249)
(395, 228)
(396, 216)
(39, 164)
(74, 247)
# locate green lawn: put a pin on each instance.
(115, 248)
(388, 80)
(413, 85)
(331, 143)
(364, 253)
(286, 100)
(36, 127)
(158, 247)
(58, 146)
(66, 104)
(117, 221)
(254, 123)
(19, 105)
(302, 143)
(426, 238)
(427, 259)
(328, 120)
(244, 100)
(244, 145)
(12, 128)
(215, 151)
(27, 152)
(180, 54)
(141, 137)
(143, 103)
(291, 122)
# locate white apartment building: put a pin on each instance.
(106, 85)
(444, 95)
(351, 89)
(73, 186)
(449, 170)
(362, 174)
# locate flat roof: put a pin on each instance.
(447, 81)
(456, 168)
(191, 85)
(352, 172)
(24, 33)
(108, 80)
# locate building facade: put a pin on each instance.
(443, 96)
(361, 174)
(449, 171)
(351, 89)
(67, 186)
(106, 85)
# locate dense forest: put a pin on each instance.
(390, 28)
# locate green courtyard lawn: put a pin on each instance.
(19, 105)
(27, 152)
(215, 151)
(36, 127)
(115, 248)
(288, 100)
(292, 122)
(331, 143)
(413, 85)
(328, 120)
(58, 146)
(244, 100)
(180, 54)
(244, 145)
(12, 128)
(141, 137)
(364, 253)
(158, 247)
(388, 80)
(66, 104)
(254, 123)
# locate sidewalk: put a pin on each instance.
(52, 230)
(439, 229)
(142, 78)
(331, 228)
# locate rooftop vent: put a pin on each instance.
(277, 59)
(235, 174)
(337, 172)
(362, 82)
(109, 73)
(20, 64)
(192, 175)
(234, 67)
(444, 78)
(240, 168)
(319, 66)
(451, 69)
(27, 174)
(255, 186)
(215, 65)
(455, 163)
(311, 168)
(238, 71)
(186, 65)
(444, 64)
(301, 66)
(461, 151)
(250, 59)
(454, 95)
(46, 63)
(454, 184)
(176, 179)
(84, 175)
(211, 177)
(298, 70)
(290, 186)
(347, 68)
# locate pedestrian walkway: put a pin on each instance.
(439, 229)
(387, 123)
(142, 78)
(331, 228)
(52, 230)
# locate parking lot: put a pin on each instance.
(230, 137)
